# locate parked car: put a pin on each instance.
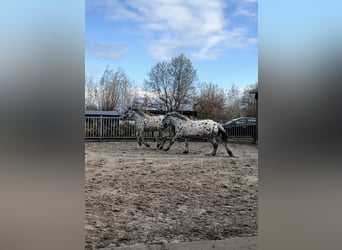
(241, 127)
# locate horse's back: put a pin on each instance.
(200, 128)
(153, 123)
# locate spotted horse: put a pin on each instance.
(146, 123)
(187, 129)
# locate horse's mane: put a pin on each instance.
(179, 116)
(141, 112)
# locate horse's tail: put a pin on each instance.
(222, 132)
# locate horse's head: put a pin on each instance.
(165, 122)
(128, 114)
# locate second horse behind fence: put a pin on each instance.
(146, 123)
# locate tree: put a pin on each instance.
(210, 103)
(173, 83)
(127, 94)
(233, 103)
(183, 77)
(115, 90)
(160, 83)
(91, 94)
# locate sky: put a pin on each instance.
(220, 37)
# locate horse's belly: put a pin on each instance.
(151, 129)
(196, 134)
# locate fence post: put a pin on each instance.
(101, 127)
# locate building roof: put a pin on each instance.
(101, 113)
(116, 113)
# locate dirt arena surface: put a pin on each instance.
(139, 195)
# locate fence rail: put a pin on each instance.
(115, 128)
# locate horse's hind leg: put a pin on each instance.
(215, 145)
(229, 152)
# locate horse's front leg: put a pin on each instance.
(138, 137)
(145, 143)
(172, 141)
(186, 146)
(141, 139)
(163, 140)
(161, 144)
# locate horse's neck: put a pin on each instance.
(175, 121)
(137, 116)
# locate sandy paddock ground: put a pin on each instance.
(138, 195)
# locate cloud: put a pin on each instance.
(246, 8)
(109, 51)
(90, 70)
(174, 26)
(245, 12)
(228, 40)
(139, 92)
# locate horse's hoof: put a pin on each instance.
(185, 152)
(166, 149)
(147, 145)
(213, 154)
(230, 154)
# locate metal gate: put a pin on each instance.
(113, 128)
